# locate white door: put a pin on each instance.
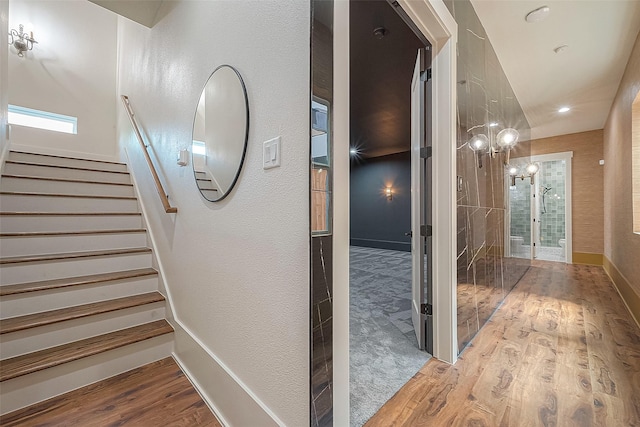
(417, 200)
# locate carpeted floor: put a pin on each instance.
(383, 350)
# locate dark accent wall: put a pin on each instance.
(377, 222)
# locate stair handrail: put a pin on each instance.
(164, 197)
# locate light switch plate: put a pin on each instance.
(271, 153)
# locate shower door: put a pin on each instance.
(539, 220)
(552, 209)
(520, 242)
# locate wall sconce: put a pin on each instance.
(479, 144)
(21, 40)
(529, 172)
(389, 193)
(504, 141)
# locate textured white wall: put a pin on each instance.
(71, 71)
(4, 81)
(237, 270)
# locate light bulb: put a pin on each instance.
(532, 168)
(513, 170)
(507, 138)
(479, 142)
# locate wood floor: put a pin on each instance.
(157, 394)
(561, 351)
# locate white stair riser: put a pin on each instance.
(19, 203)
(45, 171)
(38, 386)
(22, 246)
(206, 185)
(54, 299)
(63, 161)
(18, 223)
(37, 271)
(62, 187)
(35, 339)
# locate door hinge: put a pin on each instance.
(425, 76)
(425, 152)
(426, 230)
(426, 309)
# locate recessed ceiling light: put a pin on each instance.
(493, 124)
(563, 109)
(380, 32)
(538, 14)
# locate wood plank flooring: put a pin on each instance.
(561, 351)
(157, 394)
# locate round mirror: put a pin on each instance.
(220, 132)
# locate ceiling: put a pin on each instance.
(145, 12)
(599, 35)
(381, 71)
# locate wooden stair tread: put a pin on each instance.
(76, 196)
(71, 233)
(74, 281)
(71, 255)
(69, 158)
(29, 321)
(70, 213)
(84, 181)
(50, 357)
(46, 165)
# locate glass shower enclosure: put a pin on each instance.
(539, 211)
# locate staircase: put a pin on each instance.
(79, 298)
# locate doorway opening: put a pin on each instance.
(389, 195)
(540, 211)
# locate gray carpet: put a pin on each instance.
(383, 350)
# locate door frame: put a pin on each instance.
(433, 19)
(567, 156)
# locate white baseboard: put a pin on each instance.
(232, 401)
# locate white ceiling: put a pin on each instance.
(143, 12)
(600, 35)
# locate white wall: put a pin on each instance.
(71, 71)
(237, 271)
(4, 81)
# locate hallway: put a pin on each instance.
(562, 350)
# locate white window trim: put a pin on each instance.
(39, 119)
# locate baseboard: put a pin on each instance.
(381, 244)
(231, 401)
(59, 152)
(587, 258)
(630, 298)
(228, 397)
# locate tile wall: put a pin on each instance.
(485, 275)
(552, 176)
(322, 333)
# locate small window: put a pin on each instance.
(29, 117)
(198, 147)
(635, 161)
